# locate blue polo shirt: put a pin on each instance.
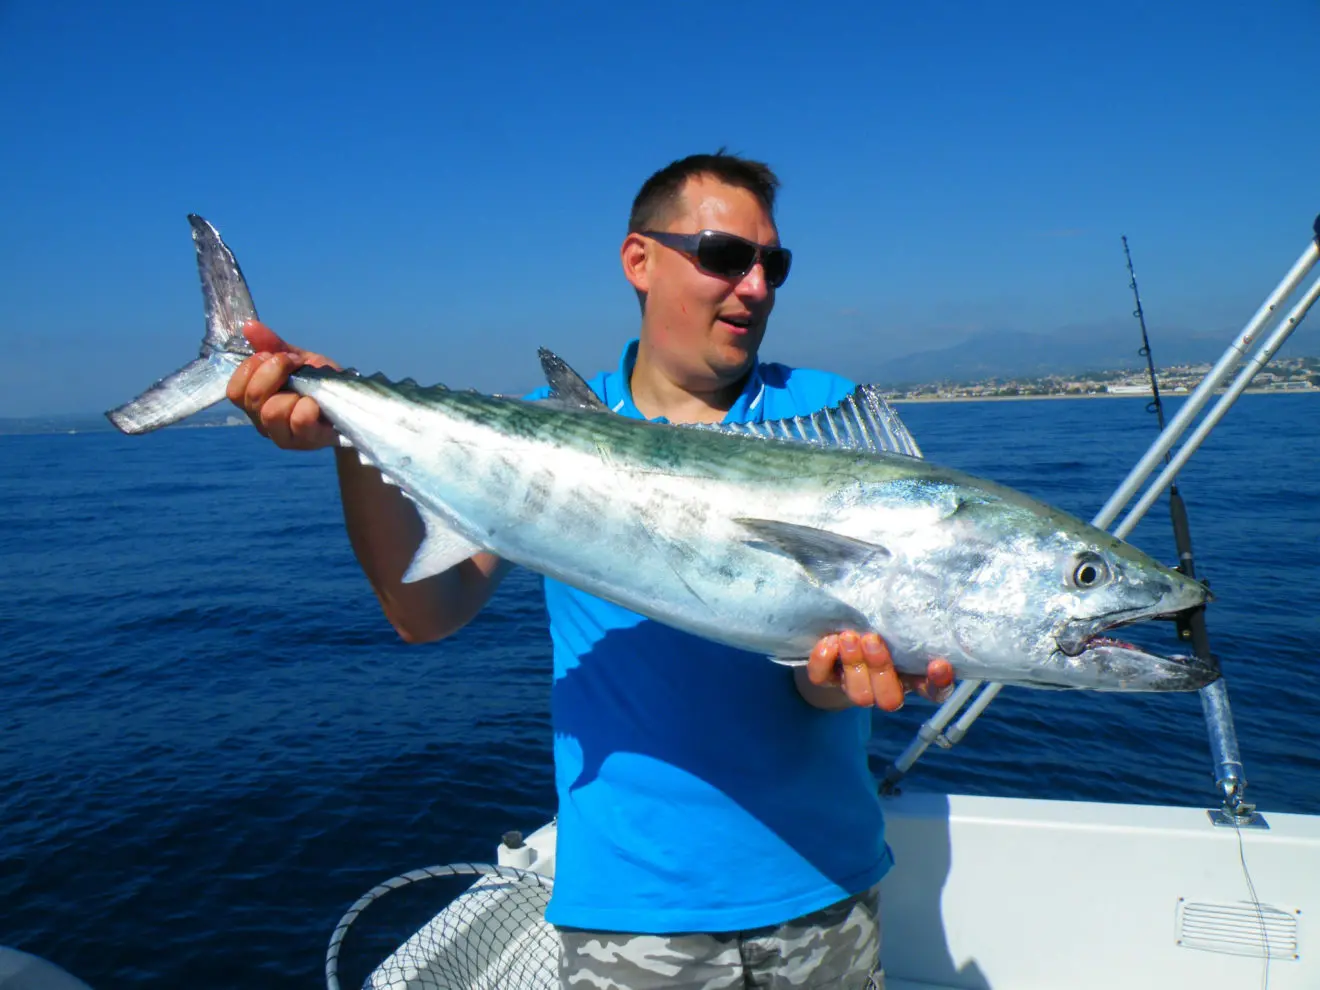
(697, 790)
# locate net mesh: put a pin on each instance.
(491, 936)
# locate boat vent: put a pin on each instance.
(1240, 928)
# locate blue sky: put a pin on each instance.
(435, 190)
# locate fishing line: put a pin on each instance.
(1255, 901)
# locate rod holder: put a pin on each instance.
(1230, 776)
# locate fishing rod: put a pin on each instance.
(1156, 406)
(937, 730)
(1230, 775)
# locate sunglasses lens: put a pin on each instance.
(732, 257)
(726, 256)
(775, 261)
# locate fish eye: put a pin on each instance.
(1088, 571)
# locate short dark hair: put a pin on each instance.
(659, 195)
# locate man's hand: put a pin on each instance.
(868, 676)
(292, 421)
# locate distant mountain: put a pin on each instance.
(1012, 354)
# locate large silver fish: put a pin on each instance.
(763, 542)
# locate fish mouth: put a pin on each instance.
(1118, 665)
(1182, 597)
(1077, 637)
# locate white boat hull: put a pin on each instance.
(1014, 894)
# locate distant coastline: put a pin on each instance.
(926, 399)
(1285, 376)
(44, 426)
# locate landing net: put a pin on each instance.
(492, 935)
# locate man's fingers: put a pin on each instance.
(257, 387)
(939, 674)
(294, 422)
(263, 338)
(307, 426)
(856, 674)
(937, 685)
(864, 668)
(290, 420)
(238, 381)
(820, 665)
(885, 685)
(267, 379)
(275, 413)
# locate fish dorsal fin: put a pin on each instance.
(863, 420)
(826, 557)
(568, 389)
(441, 548)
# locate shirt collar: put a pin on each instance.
(749, 407)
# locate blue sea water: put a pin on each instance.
(211, 742)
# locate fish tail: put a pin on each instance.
(200, 383)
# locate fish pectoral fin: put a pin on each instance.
(568, 389)
(441, 549)
(825, 556)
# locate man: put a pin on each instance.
(718, 823)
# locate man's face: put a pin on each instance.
(701, 325)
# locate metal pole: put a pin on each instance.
(1258, 361)
(1230, 776)
(930, 731)
(982, 702)
(1222, 369)
(1215, 703)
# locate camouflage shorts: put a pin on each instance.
(836, 947)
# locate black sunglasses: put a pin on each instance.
(728, 255)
